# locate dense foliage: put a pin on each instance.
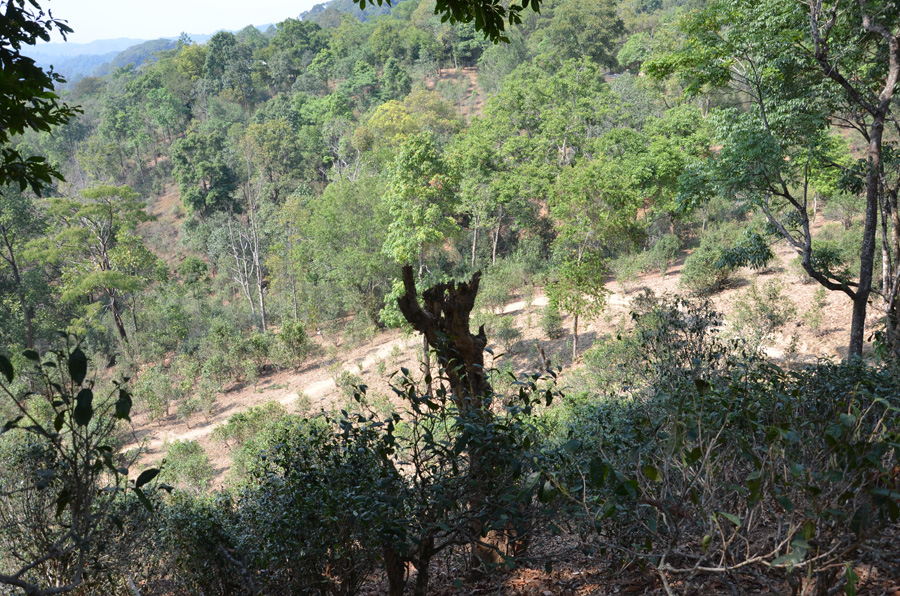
(217, 212)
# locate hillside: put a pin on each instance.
(652, 254)
(372, 362)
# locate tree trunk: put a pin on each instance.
(474, 241)
(497, 237)
(395, 569)
(20, 291)
(867, 253)
(117, 316)
(575, 339)
(443, 320)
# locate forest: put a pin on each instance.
(456, 297)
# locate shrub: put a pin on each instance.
(257, 348)
(707, 268)
(814, 315)
(243, 425)
(757, 470)
(499, 284)
(154, 390)
(295, 343)
(311, 517)
(760, 312)
(627, 269)
(551, 322)
(506, 332)
(187, 466)
(844, 207)
(703, 271)
(664, 251)
(194, 540)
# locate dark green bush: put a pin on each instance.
(244, 425)
(740, 465)
(551, 322)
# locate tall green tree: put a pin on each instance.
(20, 221)
(421, 199)
(89, 240)
(805, 67)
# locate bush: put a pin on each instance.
(154, 390)
(844, 207)
(760, 312)
(499, 284)
(757, 470)
(194, 539)
(242, 426)
(551, 322)
(627, 269)
(295, 343)
(310, 520)
(703, 271)
(814, 315)
(664, 251)
(187, 466)
(506, 332)
(258, 348)
(707, 268)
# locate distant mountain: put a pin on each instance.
(101, 57)
(136, 55)
(48, 51)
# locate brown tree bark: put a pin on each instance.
(443, 319)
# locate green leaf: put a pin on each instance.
(7, 369)
(143, 499)
(545, 494)
(790, 559)
(860, 520)
(730, 517)
(31, 355)
(145, 477)
(809, 529)
(852, 579)
(652, 473)
(10, 424)
(785, 502)
(704, 546)
(123, 405)
(77, 366)
(58, 421)
(62, 501)
(84, 407)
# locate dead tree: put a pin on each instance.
(443, 318)
(444, 321)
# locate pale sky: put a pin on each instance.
(152, 19)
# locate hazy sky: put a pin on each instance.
(151, 19)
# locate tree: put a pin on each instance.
(806, 67)
(205, 178)
(347, 228)
(585, 28)
(28, 100)
(84, 240)
(595, 209)
(20, 222)
(421, 200)
(72, 484)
